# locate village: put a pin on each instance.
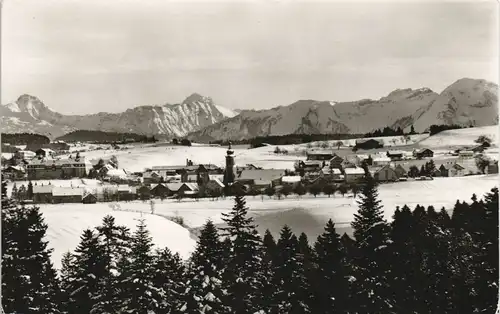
(36, 172)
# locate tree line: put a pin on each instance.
(424, 261)
(24, 138)
(102, 137)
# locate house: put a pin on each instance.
(354, 174)
(13, 172)
(240, 188)
(188, 189)
(89, 198)
(423, 153)
(381, 161)
(42, 194)
(151, 177)
(45, 152)
(290, 180)
(125, 192)
(400, 171)
(385, 174)
(40, 169)
(457, 170)
(143, 192)
(395, 155)
(309, 165)
(332, 174)
(363, 158)
(159, 190)
(443, 170)
(26, 154)
(261, 178)
(67, 195)
(320, 154)
(214, 187)
(466, 154)
(368, 144)
(492, 168)
(336, 162)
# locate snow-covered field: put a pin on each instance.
(308, 214)
(461, 137)
(138, 158)
(67, 222)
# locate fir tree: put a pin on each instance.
(85, 283)
(29, 283)
(267, 266)
(66, 277)
(14, 192)
(139, 294)
(169, 275)
(115, 245)
(241, 277)
(330, 268)
(205, 269)
(371, 233)
(293, 293)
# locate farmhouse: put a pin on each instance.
(381, 161)
(400, 171)
(466, 154)
(188, 189)
(368, 144)
(456, 170)
(492, 168)
(290, 180)
(150, 177)
(40, 169)
(423, 153)
(354, 174)
(125, 192)
(395, 155)
(89, 198)
(45, 152)
(261, 178)
(364, 158)
(67, 195)
(309, 165)
(320, 154)
(159, 190)
(386, 173)
(42, 194)
(14, 172)
(336, 162)
(173, 188)
(214, 187)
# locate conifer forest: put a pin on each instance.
(426, 260)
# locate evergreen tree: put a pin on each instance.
(29, 283)
(269, 246)
(205, 269)
(115, 246)
(15, 191)
(371, 233)
(169, 276)
(66, 277)
(85, 275)
(241, 277)
(139, 294)
(330, 268)
(267, 266)
(422, 172)
(292, 287)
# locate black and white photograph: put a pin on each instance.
(249, 156)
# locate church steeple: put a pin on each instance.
(229, 171)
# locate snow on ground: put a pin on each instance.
(460, 137)
(67, 222)
(308, 214)
(139, 158)
(88, 184)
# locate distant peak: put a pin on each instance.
(195, 97)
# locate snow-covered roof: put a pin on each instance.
(216, 176)
(192, 186)
(261, 174)
(354, 171)
(290, 179)
(123, 188)
(319, 152)
(395, 152)
(63, 191)
(381, 159)
(174, 186)
(218, 182)
(39, 189)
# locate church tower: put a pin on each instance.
(229, 171)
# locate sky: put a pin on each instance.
(91, 56)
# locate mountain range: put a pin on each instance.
(465, 102)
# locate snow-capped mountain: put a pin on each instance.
(29, 114)
(465, 102)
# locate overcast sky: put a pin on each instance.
(90, 56)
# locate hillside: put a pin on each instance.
(103, 137)
(466, 102)
(30, 114)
